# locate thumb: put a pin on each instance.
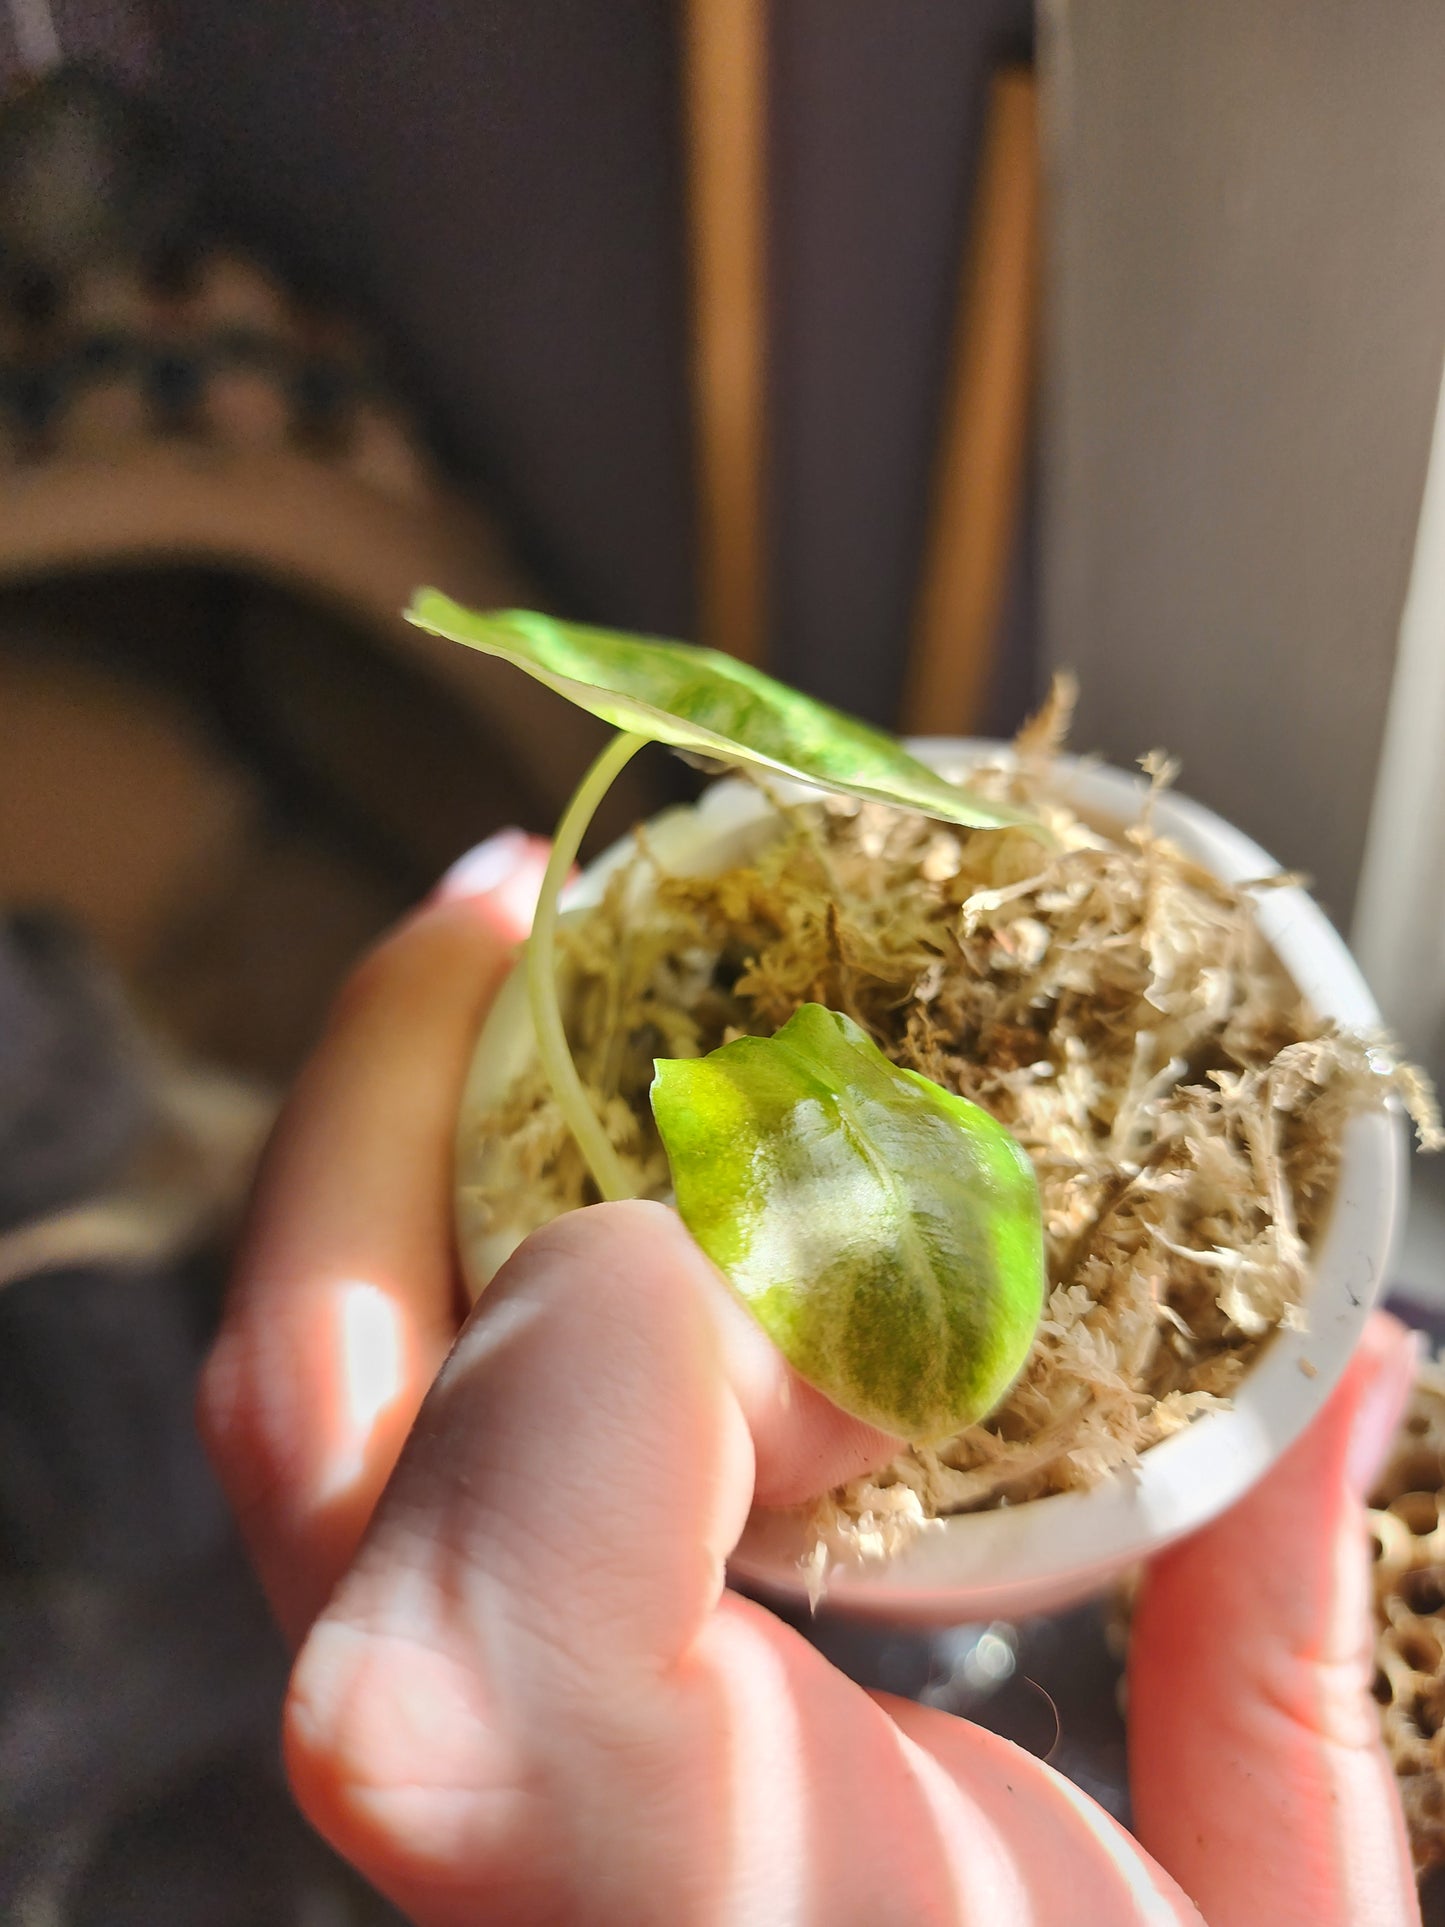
(547, 1555)
(1258, 1775)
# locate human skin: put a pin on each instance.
(523, 1692)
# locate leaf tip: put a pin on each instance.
(426, 608)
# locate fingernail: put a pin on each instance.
(486, 865)
(1382, 1405)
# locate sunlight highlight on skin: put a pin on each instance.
(988, 1885)
(769, 1850)
(1152, 1902)
(371, 1343)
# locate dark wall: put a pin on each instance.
(501, 184)
(877, 114)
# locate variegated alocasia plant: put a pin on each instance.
(885, 1232)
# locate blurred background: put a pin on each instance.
(912, 351)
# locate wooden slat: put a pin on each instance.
(726, 82)
(982, 452)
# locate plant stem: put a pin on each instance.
(571, 1094)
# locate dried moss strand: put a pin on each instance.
(573, 1100)
(1114, 1006)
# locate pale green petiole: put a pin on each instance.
(575, 1105)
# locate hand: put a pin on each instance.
(523, 1693)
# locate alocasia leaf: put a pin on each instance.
(885, 1233)
(698, 699)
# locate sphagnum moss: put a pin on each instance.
(1112, 1004)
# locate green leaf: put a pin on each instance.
(697, 699)
(885, 1233)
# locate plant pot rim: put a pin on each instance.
(1050, 1552)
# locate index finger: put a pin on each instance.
(1258, 1774)
(344, 1297)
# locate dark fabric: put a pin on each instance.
(140, 1676)
(71, 1096)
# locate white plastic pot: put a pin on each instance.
(1051, 1552)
